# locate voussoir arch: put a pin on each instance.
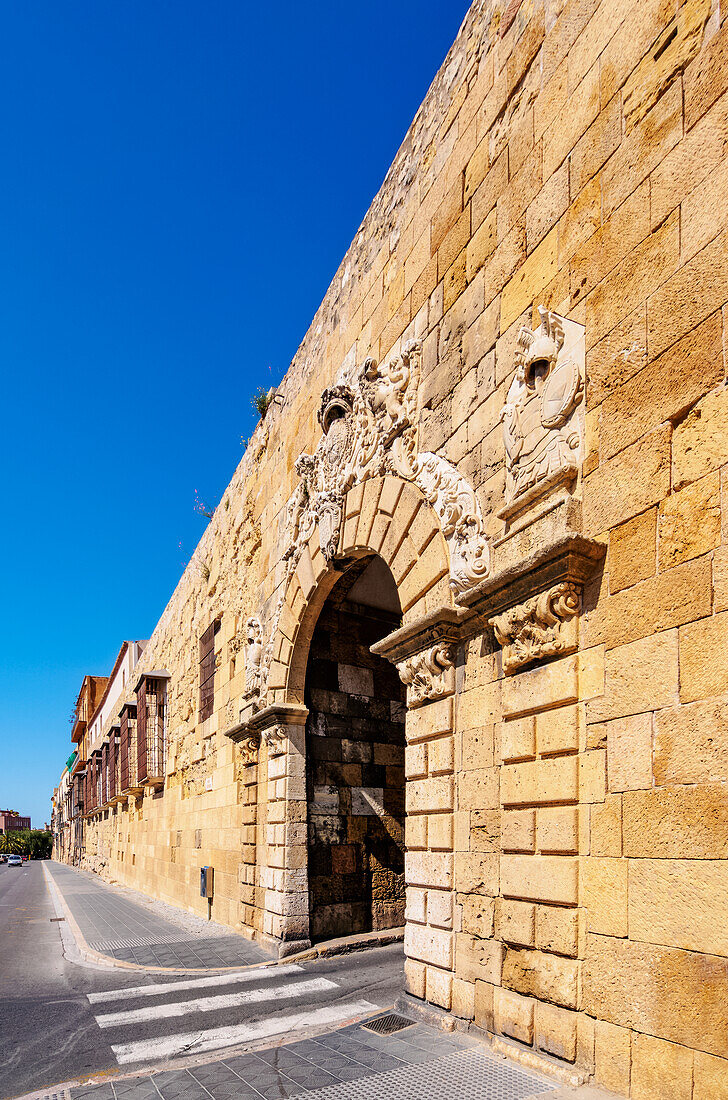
(384, 516)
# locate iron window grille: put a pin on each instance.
(128, 748)
(151, 729)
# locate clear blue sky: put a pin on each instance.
(180, 182)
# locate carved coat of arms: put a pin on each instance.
(541, 427)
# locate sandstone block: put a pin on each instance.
(556, 1031)
(429, 720)
(540, 878)
(477, 915)
(438, 985)
(618, 356)
(518, 830)
(532, 276)
(557, 830)
(690, 522)
(545, 976)
(557, 930)
(691, 743)
(710, 1077)
(440, 832)
(676, 822)
(415, 761)
(639, 676)
(428, 869)
(639, 275)
(463, 999)
(478, 789)
(703, 668)
(440, 756)
(477, 959)
(476, 873)
(643, 149)
(592, 776)
(632, 551)
(603, 893)
(665, 388)
(699, 440)
(557, 731)
(705, 78)
(720, 578)
(513, 1015)
(680, 903)
(515, 922)
(629, 483)
(660, 1069)
(612, 1056)
(541, 688)
(676, 46)
(518, 739)
(629, 753)
(429, 945)
(484, 1005)
(615, 239)
(540, 781)
(693, 293)
(476, 748)
(485, 831)
(674, 995)
(605, 836)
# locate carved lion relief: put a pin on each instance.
(542, 426)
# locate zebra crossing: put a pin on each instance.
(163, 1020)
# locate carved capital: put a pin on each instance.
(543, 626)
(428, 675)
(249, 748)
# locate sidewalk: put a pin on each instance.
(125, 926)
(353, 1063)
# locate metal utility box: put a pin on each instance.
(207, 881)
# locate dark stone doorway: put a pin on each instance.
(355, 760)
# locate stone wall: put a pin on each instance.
(547, 490)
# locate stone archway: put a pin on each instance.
(355, 749)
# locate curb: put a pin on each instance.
(84, 953)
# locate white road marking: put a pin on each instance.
(246, 976)
(196, 1042)
(211, 1004)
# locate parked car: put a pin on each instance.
(15, 861)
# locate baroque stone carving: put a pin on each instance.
(543, 626)
(369, 426)
(248, 748)
(370, 430)
(541, 429)
(428, 675)
(253, 657)
(275, 738)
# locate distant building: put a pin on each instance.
(11, 819)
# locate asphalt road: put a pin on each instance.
(63, 1020)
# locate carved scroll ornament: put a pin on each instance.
(543, 626)
(542, 431)
(276, 739)
(428, 675)
(369, 426)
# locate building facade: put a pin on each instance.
(451, 653)
(12, 820)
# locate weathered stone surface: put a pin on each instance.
(603, 893)
(542, 975)
(660, 1069)
(639, 676)
(540, 878)
(680, 903)
(676, 822)
(703, 668)
(629, 483)
(690, 522)
(699, 441)
(691, 743)
(710, 1077)
(629, 753)
(556, 1031)
(612, 1056)
(513, 1015)
(674, 995)
(557, 929)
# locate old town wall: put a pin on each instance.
(548, 491)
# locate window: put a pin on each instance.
(127, 747)
(151, 727)
(207, 670)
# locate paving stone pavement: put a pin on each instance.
(115, 925)
(417, 1063)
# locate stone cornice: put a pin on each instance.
(572, 559)
(279, 714)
